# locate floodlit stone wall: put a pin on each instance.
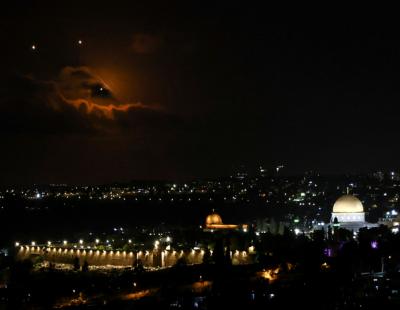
(150, 258)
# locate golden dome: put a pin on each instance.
(213, 219)
(348, 204)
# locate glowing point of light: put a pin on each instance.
(16, 243)
(168, 239)
(80, 241)
(65, 242)
(80, 42)
(97, 240)
(129, 241)
(33, 47)
(33, 243)
(48, 242)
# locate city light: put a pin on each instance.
(65, 242)
(16, 243)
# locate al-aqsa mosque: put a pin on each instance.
(214, 223)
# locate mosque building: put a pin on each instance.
(214, 223)
(348, 212)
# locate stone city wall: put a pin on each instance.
(152, 258)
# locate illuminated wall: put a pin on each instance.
(154, 258)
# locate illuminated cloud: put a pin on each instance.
(76, 101)
(105, 110)
(89, 93)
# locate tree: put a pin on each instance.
(181, 262)
(85, 266)
(76, 263)
(228, 259)
(207, 257)
(218, 254)
(138, 266)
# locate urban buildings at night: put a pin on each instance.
(108, 232)
(193, 155)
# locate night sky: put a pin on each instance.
(114, 91)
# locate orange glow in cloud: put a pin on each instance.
(75, 87)
(105, 110)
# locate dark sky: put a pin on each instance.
(170, 91)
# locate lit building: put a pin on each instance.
(214, 222)
(348, 212)
(348, 209)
